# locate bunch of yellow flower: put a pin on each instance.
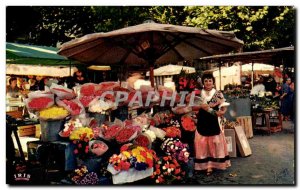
(53, 113)
(82, 134)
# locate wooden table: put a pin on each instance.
(267, 116)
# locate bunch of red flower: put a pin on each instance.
(167, 170)
(172, 132)
(85, 100)
(87, 90)
(40, 103)
(142, 140)
(74, 107)
(188, 123)
(81, 147)
(125, 135)
(109, 133)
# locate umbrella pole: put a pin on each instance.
(151, 73)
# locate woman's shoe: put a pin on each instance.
(209, 172)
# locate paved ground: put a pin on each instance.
(272, 162)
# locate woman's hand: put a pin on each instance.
(221, 112)
(205, 107)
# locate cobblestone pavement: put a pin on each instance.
(272, 162)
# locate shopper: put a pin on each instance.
(12, 90)
(286, 100)
(210, 145)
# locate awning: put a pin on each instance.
(34, 55)
(54, 71)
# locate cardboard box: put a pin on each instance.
(230, 141)
(246, 123)
(242, 142)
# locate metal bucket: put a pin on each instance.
(50, 130)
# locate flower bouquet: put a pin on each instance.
(38, 100)
(74, 106)
(188, 123)
(98, 147)
(126, 134)
(86, 100)
(172, 132)
(142, 140)
(62, 92)
(70, 126)
(82, 133)
(131, 156)
(53, 113)
(108, 131)
(132, 164)
(175, 148)
(82, 176)
(167, 170)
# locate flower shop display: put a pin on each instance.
(167, 170)
(126, 134)
(82, 176)
(132, 164)
(98, 147)
(175, 148)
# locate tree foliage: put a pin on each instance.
(259, 27)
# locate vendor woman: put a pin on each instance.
(210, 145)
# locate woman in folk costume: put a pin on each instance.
(210, 145)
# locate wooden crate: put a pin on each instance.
(246, 123)
(242, 142)
(28, 130)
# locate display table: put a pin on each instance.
(267, 119)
